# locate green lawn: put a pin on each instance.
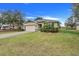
(38, 43)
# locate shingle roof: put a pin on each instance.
(30, 23)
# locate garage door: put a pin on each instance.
(30, 28)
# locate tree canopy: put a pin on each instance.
(12, 17)
(39, 18)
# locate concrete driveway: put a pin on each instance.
(11, 34)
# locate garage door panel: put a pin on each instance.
(30, 28)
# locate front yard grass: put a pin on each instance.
(39, 43)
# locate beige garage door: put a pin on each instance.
(30, 28)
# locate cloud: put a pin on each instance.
(25, 3)
(58, 19)
(30, 17)
(54, 18)
(44, 17)
(50, 18)
(62, 24)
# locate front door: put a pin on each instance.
(40, 25)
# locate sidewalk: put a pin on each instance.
(11, 34)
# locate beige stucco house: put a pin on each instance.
(36, 25)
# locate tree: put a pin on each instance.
(75, 11)
(69, 23)
(39, 18)
(18, 19)
(7, 17)
(29, 20)
(0, 18)
(13, 18)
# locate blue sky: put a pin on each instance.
(57, 11)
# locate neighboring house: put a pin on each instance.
(4, 26)
(36, 25)
(7, 26)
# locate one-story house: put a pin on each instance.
(33, 25)
(36, 25)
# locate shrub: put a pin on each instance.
(49, 28)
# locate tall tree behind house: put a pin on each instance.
(75, 10)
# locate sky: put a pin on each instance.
(53, 11)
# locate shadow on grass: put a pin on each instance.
(70, 32)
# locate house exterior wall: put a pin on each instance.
(77, 27)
